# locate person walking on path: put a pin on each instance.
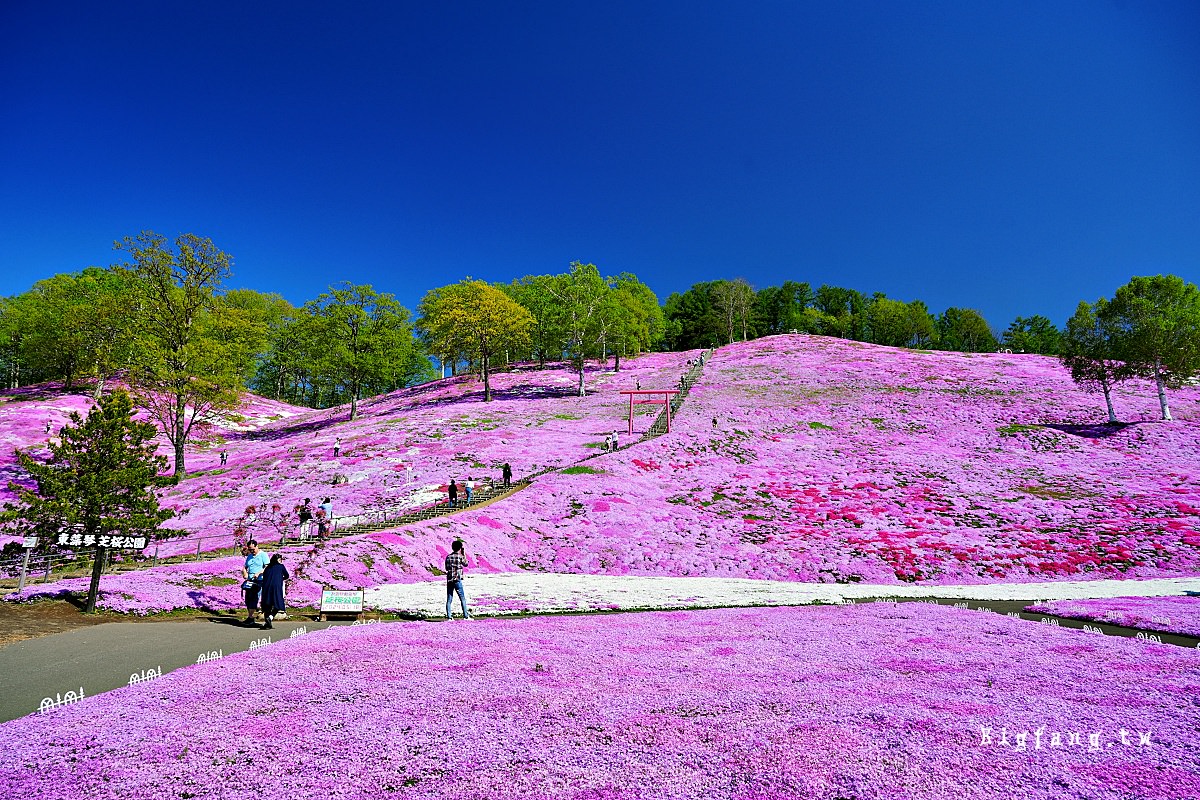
(337, 446)
(224, 457)
(469, 485)
(506, 474)
(452, 490)
(456, 562)
(272, 590)
(324, 517)
(616, 440)
(252, 576)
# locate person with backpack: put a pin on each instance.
(456, 562)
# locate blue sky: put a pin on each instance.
(1014, 157)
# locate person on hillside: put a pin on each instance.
(337, 447)
(616, 440)
(272, 590)
(469, 485)
(224, 457)
(326, 520)
(49, 427)
(305, 513)
(638, 384)
(456, 562)
(453, 492)
(506, 474)
(252, 576)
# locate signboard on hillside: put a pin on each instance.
(104, 540)
(341, 601)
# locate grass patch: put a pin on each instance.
(581, 470)
(820, 426)
(1016, 429)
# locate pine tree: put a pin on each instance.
(98, 482)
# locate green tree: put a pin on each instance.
(780, 309)
(1034, 334)
(734, 302)
(579, 301)
(474, 318)
(365, 342)
(186, 373)
(639, 318)
(965, 330)
(691, 318)
(846, 306)
(1157, 320)
(99, 482)
(1089, 351)
(898, 324)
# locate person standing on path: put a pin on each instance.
(252, 576)
(337, 446)
(456, 562)
(506, 474)
(453, 491)
(616, 440)
(306, 514)
(272, 590)
(469, 485)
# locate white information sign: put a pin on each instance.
(338, 601)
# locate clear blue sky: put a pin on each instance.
(1014, 157)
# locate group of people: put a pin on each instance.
(323, 515)
(470, 484)
(263, 583)
(612, 442)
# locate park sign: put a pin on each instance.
(341, 601)
(103, 540)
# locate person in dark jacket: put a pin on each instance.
(453, 489)
(272, 590)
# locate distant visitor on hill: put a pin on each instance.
(337, 447)
(305, 513)
(453, 491)
(456, 562)
(506, 474)
(469, 485)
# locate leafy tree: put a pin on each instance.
(533, 293)
(99, 481)
(1089, 351)
(364, 342)
(781, 308)
(965, 330)
(846, 306)
(1034, 334)
(639, 318)
(734, 300)
(580, 296)
(1158, 331)
(186, 373)
(692, 318)
(898, 324)
(474, 318)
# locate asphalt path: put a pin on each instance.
(40, 675)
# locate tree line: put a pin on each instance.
(187, 346)
(724, 311)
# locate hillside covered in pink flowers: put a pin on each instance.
(796, 457)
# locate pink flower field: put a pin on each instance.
(862, 702)
(829, 461)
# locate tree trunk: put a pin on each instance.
(1112, 415)
(354, 405)
(1162, 391)
(99, 391)
(177, 436)
(94, 587)
(582, 390)
(487, 384)
(616, 361)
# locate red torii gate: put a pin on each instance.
(665, 401)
